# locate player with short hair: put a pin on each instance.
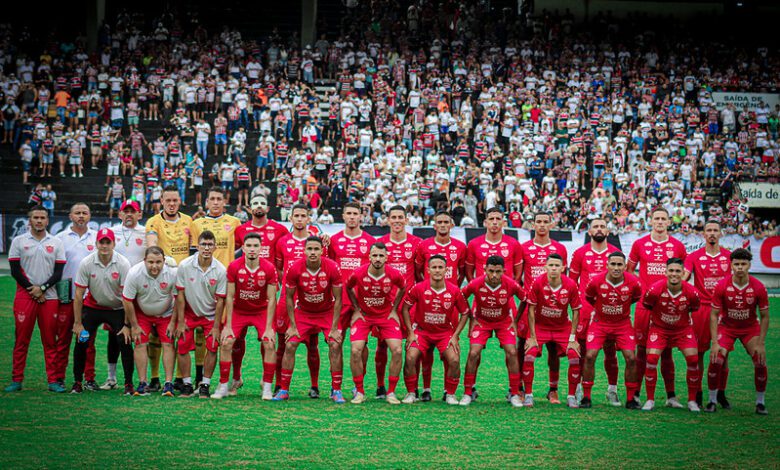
(733, 317)
(611, 295)
(37, 260)
(317, 282)
(220, 224)
(491, 313)
(376, 291)
(671, 303)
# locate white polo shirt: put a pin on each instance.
(130, 242)
(153, 296)
(37, 258)
(76, 249)
(104, 283)
(201, 287)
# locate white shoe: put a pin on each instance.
(109, 384)
(571, 402)
(392, 399)
(409, 399)
(612, 398)
(465, 400)
(648, 406)
(693, 406)
(452, 400)
(516, 401)
(234, 386)
(674, 403)
(358, 398)
(528, 400)
(579, 394)
(268, 391)
(221, 392)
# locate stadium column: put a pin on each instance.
(308, 22)
(96, 14)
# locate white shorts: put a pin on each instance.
(113, 170)
(74, 160)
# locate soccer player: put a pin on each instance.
(671, 303)
(610, 295)
(251, 295)
(588, 262)
(376, 292)
(220, 224)
(650, 253)
(535, 254)
(549, 299)
(37, 259)
(202, 284)
(317, 282)
(148, 299)
(101, 277)
(733, 317)
(708, 265)
(494, 295)
(436, 325)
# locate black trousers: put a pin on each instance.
(91, 319)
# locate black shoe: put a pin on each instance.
(314, 393)
(474, 393)
(723, 401)
(710, 408)
(92, 386)
(178, 385)
(203, 391)
(381, 393)
(632, 405)
(444, 396)
(76, 388)
(129, 390)
(699, 398)
(585, 403)
(186, 390)
(761, 409)
(277, 388)
(154, 385)
(671, 394)
(426, 396)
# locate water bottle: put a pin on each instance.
(83, 336)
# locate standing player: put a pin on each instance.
(588, 262)
(671, 303)
(650, 253)
(436, 325)
(535, 254)
(549, 298)
(493, 243)
(494, 298)
(317, 281)
(610, 295)
(148, 298)
(251, 295)
(37, 260)
(709, 265)
(733, 318)
(202, 284)
(376, 292)
(101, 277)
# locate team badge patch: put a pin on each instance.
(163, 285)
(49, 249)
(323, 283)
(653, 337)
(115, 276)
(139, 242)
(212, 282)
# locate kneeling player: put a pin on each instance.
(611, 294)
(494, 295)
(735, 301)
(438, 305)
(671, 303)
(376, 291)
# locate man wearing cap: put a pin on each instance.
(101, 276)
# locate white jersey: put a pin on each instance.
(152, 296)
(201, 288)
(130, 242)
(37, 258)
(104, 283)
(76, 249)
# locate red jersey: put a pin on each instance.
(587, 263)
(350, 253)
(738, 305)
(270, 234)
(437, 311)
(288, 250)
(708, 271)
(492, 305)
(671, 312)
(535, 258)
(651, 257)
(400, 256)
(612, 302)
(314, 290)
(454, 252)
(479, 249)
(375, 295)
(251, 294)
(552, 304)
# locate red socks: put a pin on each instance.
(451, 385)
(574, 371)
(692, 376)
(468, 383)
(528, 372)
(611, 364)
(359, 383)
(651, 375)
(393, 384)
(760, 375)
(224, 372)
(714, 372)
(411, 383)
(268, 371)
(336, 378)
(587, 386)
(286, 378)
(641, 364)
(631, 390)
(514, 384)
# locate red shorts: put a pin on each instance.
(148, 324)
(586, 315)
(281, 322)
(345, 318)
(727, 336)
(241, 322)
(559, 337)
(427, 341)
(187, 342)
(311, 324)
(621, 332)
(384, 328)
(522, 325)
(660, 338)
(701, 327)
(641, 324)
(503, 330)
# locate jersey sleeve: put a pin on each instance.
(221, 290)
(469, 290)
(470, 254)
(399, 280)
(231, 273)
(336, 277)
(518, 291)
(575, 301)
(650, 299)
(688, 264)
(518, 254)
(411, 297)
(238, 236)
(59, 253)
(151, 225)
(292, 277)
(129, 291)
(82, 275)
(695, 299)
(272, 275)
(636, 293)
(15, 252)
(531, 294)
(564, 255)
(576, 266)
(195, 233)
(591, 292)
(460, 302)
(351, 281)
(633, 255)
(762, 298)
(181, 279)
(717, 296)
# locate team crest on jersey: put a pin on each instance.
(475, 334)
(505, 252)
(590, 337)
(21, 316)
(532, 255)
(226, 227)
(654, 337)
(90, 247)
(670, 253)
(163, 285)
(447, 305)
(750, 300)
(323, 283)
(363, 249)
(453, 256)
(241, 279)
(408, 254)
(502, 300)
(212, 282)
(564, 299)
(49, 249)
(624, 298)
(146, 286)
(139, 242)
(724, 266)
(270, 236)
(386, 289)
(115, 276)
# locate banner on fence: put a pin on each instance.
(740, 100)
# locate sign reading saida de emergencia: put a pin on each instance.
(761, 194)
(740, 100)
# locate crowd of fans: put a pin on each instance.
(450, 107)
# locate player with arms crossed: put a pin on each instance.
(733, 317)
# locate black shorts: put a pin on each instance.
(242, 185)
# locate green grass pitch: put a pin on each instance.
(107, 430)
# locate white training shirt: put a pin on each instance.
(202, 287)
(76, 249)
(153, 296)
(130, 242)
(38, 258)
(104, 283)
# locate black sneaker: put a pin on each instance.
(187, 390)
(92, 386)
(632, 405)
(444, 396)
(710, 408)
(426, 396)
(474, 393)
(277, 388)
(761, 409)
(76, 388)
(154, 386)
(178, 385)
(723, 401)
(129, 390)
(699, 398)
(381, 393)
(203, 391)
(314, 393)
(585, 403)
